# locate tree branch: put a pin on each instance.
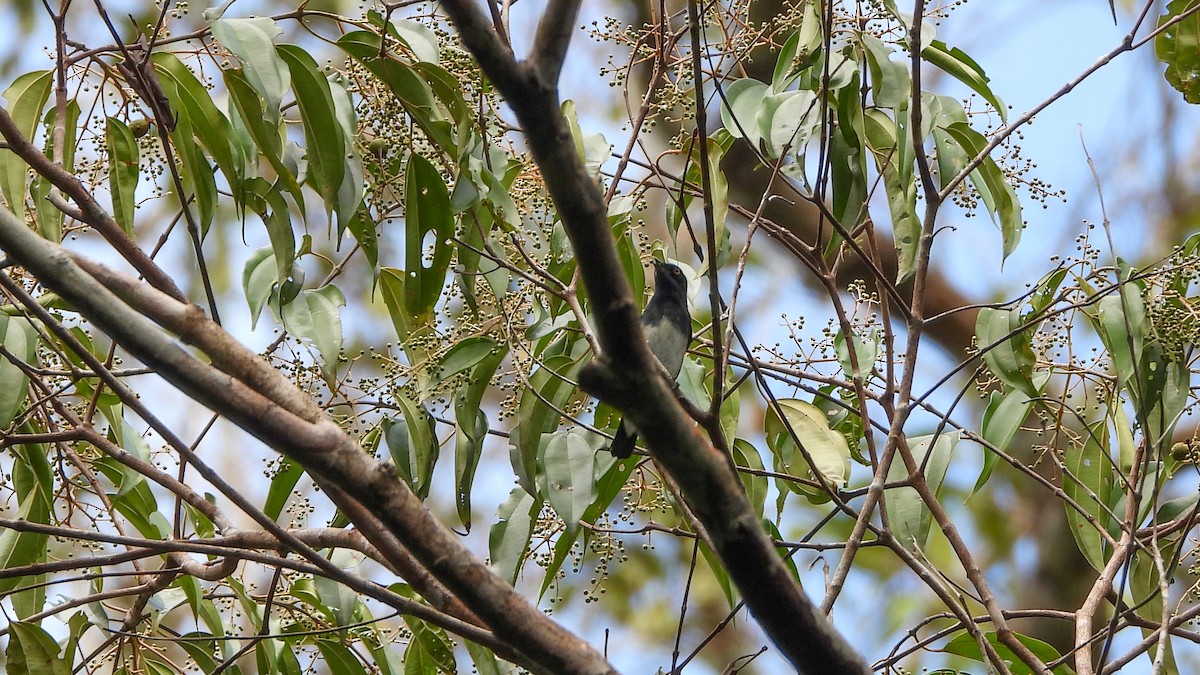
(93, 213)
(553, 37)
(318, 445)
(623, 372)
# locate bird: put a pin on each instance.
(668, 329)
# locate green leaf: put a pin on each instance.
(426, 212)
(436, 650)
(379, 642)
(419, 38)
(198, 602)
(19, 337)
(469, 435)
(471, 430)
(739, 109)
(258, 278)
(592, 148)
(201, 649)
(1120, 320)
(746, 456)
(70, 141)
(569, 485)
(866, 350)
(34, 487)
(197, 174)
(1006, 348)
(1170, 392)
(25, 98)
(549, 389)
(32, 651)
(1001, 422)
(362, 228)
(278, 220)
(891, 86)
(785, 70)
(287, 474)
(1046, 289)
(392, 286)
(1123, 434)
(136, 503)
(613, 476)
(942, 111)
(262, 128)
(78, 624)
(484, 660)
(339, 599)
(1179, 48)
(324, 137)
(965, 645)
(1004, 416)
(353, 187)
(410, 84)
(848, 159)
(252, 41)
(411, 330)
(122, 171)
(787, 120)
(720, 574)
(314, 315)
(464, 355)
(207, 124)
(887, 144)
(510, 536)
(908, 514)
(810, 426)
(784, 554)
(413, 445)
(956, 63)
(339, 659)
(1089, 482)
(998, 196)
(49, 218)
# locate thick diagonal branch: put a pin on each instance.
(316, 443)
(625, 373)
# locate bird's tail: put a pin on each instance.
(623, 442)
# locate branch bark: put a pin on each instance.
(624, 373)
(295, 430)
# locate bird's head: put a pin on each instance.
(668, 276)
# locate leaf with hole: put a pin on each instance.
(429, 233)
(1178, 46)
